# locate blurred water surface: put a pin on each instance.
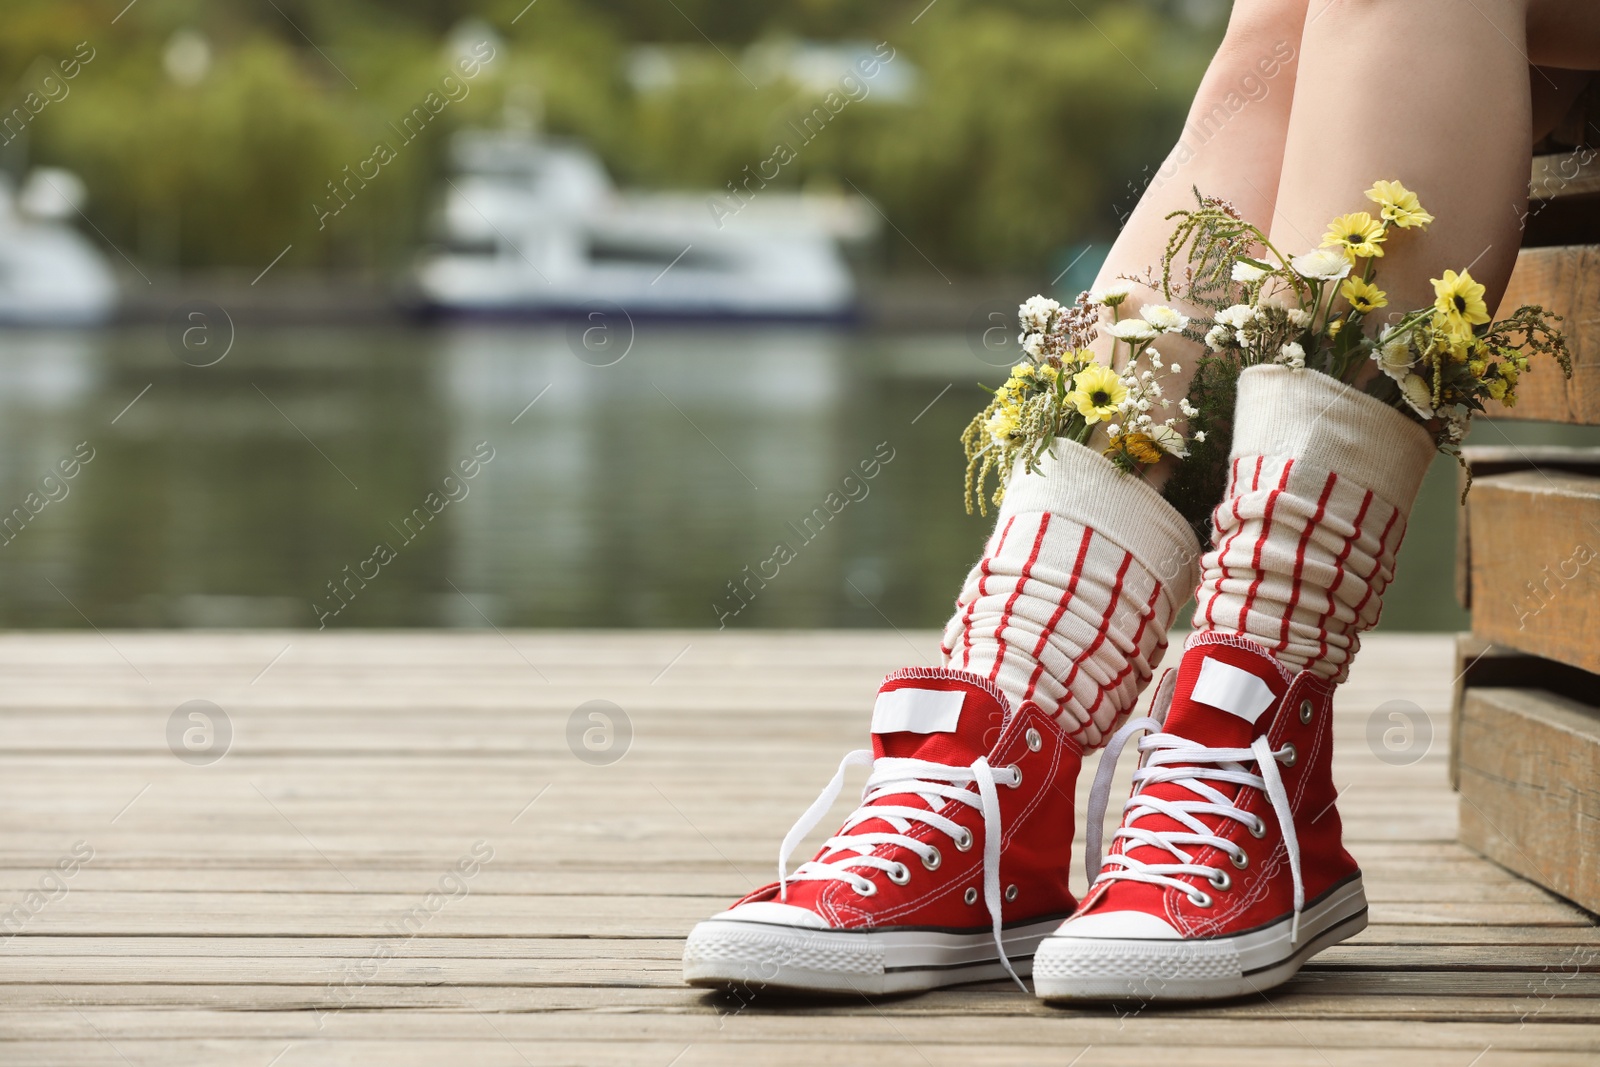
(469, 476)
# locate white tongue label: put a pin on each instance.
(917, 711)
(1232, 690)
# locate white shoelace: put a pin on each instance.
(1162, 751)
(891, 776)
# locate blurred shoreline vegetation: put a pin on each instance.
(207, 130)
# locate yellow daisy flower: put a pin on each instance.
(1459, 305)
(1399, 205)
(1363, 295)
(1096, 392)
(1138, 445)
(1002, 425)
(1357, 235)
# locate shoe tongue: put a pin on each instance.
(1225, 695)
(938, 715)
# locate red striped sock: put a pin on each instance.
(1070, 605)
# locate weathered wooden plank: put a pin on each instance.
(1530, 787)
(1483, 461)
(1566, 281)
(1348, 971)
(969, 1015)
(493, 1051)
(378, 915)
(1536, 564)
(1482, 664)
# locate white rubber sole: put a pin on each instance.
(739, 955)
(1086, 968)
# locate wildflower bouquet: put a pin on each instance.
(1322, 311)
(1439, 363)
(1061, 390)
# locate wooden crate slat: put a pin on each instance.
(1530, 787)
(1483, 461)
(1564, 280)
(1536, 564)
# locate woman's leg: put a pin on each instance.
(1306, 540)
(1231, 146)
(1069, 605)
(1232, 142)
(1390, 92)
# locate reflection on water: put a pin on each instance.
(466, 476)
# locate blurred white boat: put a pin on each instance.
(534, 226)
(50, 275)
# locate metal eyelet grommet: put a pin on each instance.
(1307, 709)
(1258, 829)
(1241, 861)
(899, 874)
(1201, 900)
(867, 888)
(971, 897)
(964, 840)
(1221, 880)
(1016, 775)
(1011, 893)
(932, 860)
(1035, 742)
(1290, 754)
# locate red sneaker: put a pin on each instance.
(1228, 871)
(951, 870)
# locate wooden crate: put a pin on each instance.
(1525, 748)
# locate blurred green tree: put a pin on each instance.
(1032, 122)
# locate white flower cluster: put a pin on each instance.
(1144, 390)
(1394, 357)
(1112, 295)
(1041, 321)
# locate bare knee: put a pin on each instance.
(1261, 44)
(1263, 28)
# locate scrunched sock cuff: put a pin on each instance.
(1070, 605)
(1321, 483)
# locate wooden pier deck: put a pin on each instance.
(400, 860)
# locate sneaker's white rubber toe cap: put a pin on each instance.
(1135, 925)
(770, 911)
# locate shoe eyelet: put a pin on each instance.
(1221, 881)
(1241, 861)
(1016, 775)
(1201, 900)
(866, 888)
(971, 897)
(1307, 709)
(964, 840)
(899, 874)
(1011, 893)
(1290, 754)
(1035, 742)
(1258, 829)
(932, 859)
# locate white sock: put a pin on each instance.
(1070, 605)
(1323, 479)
